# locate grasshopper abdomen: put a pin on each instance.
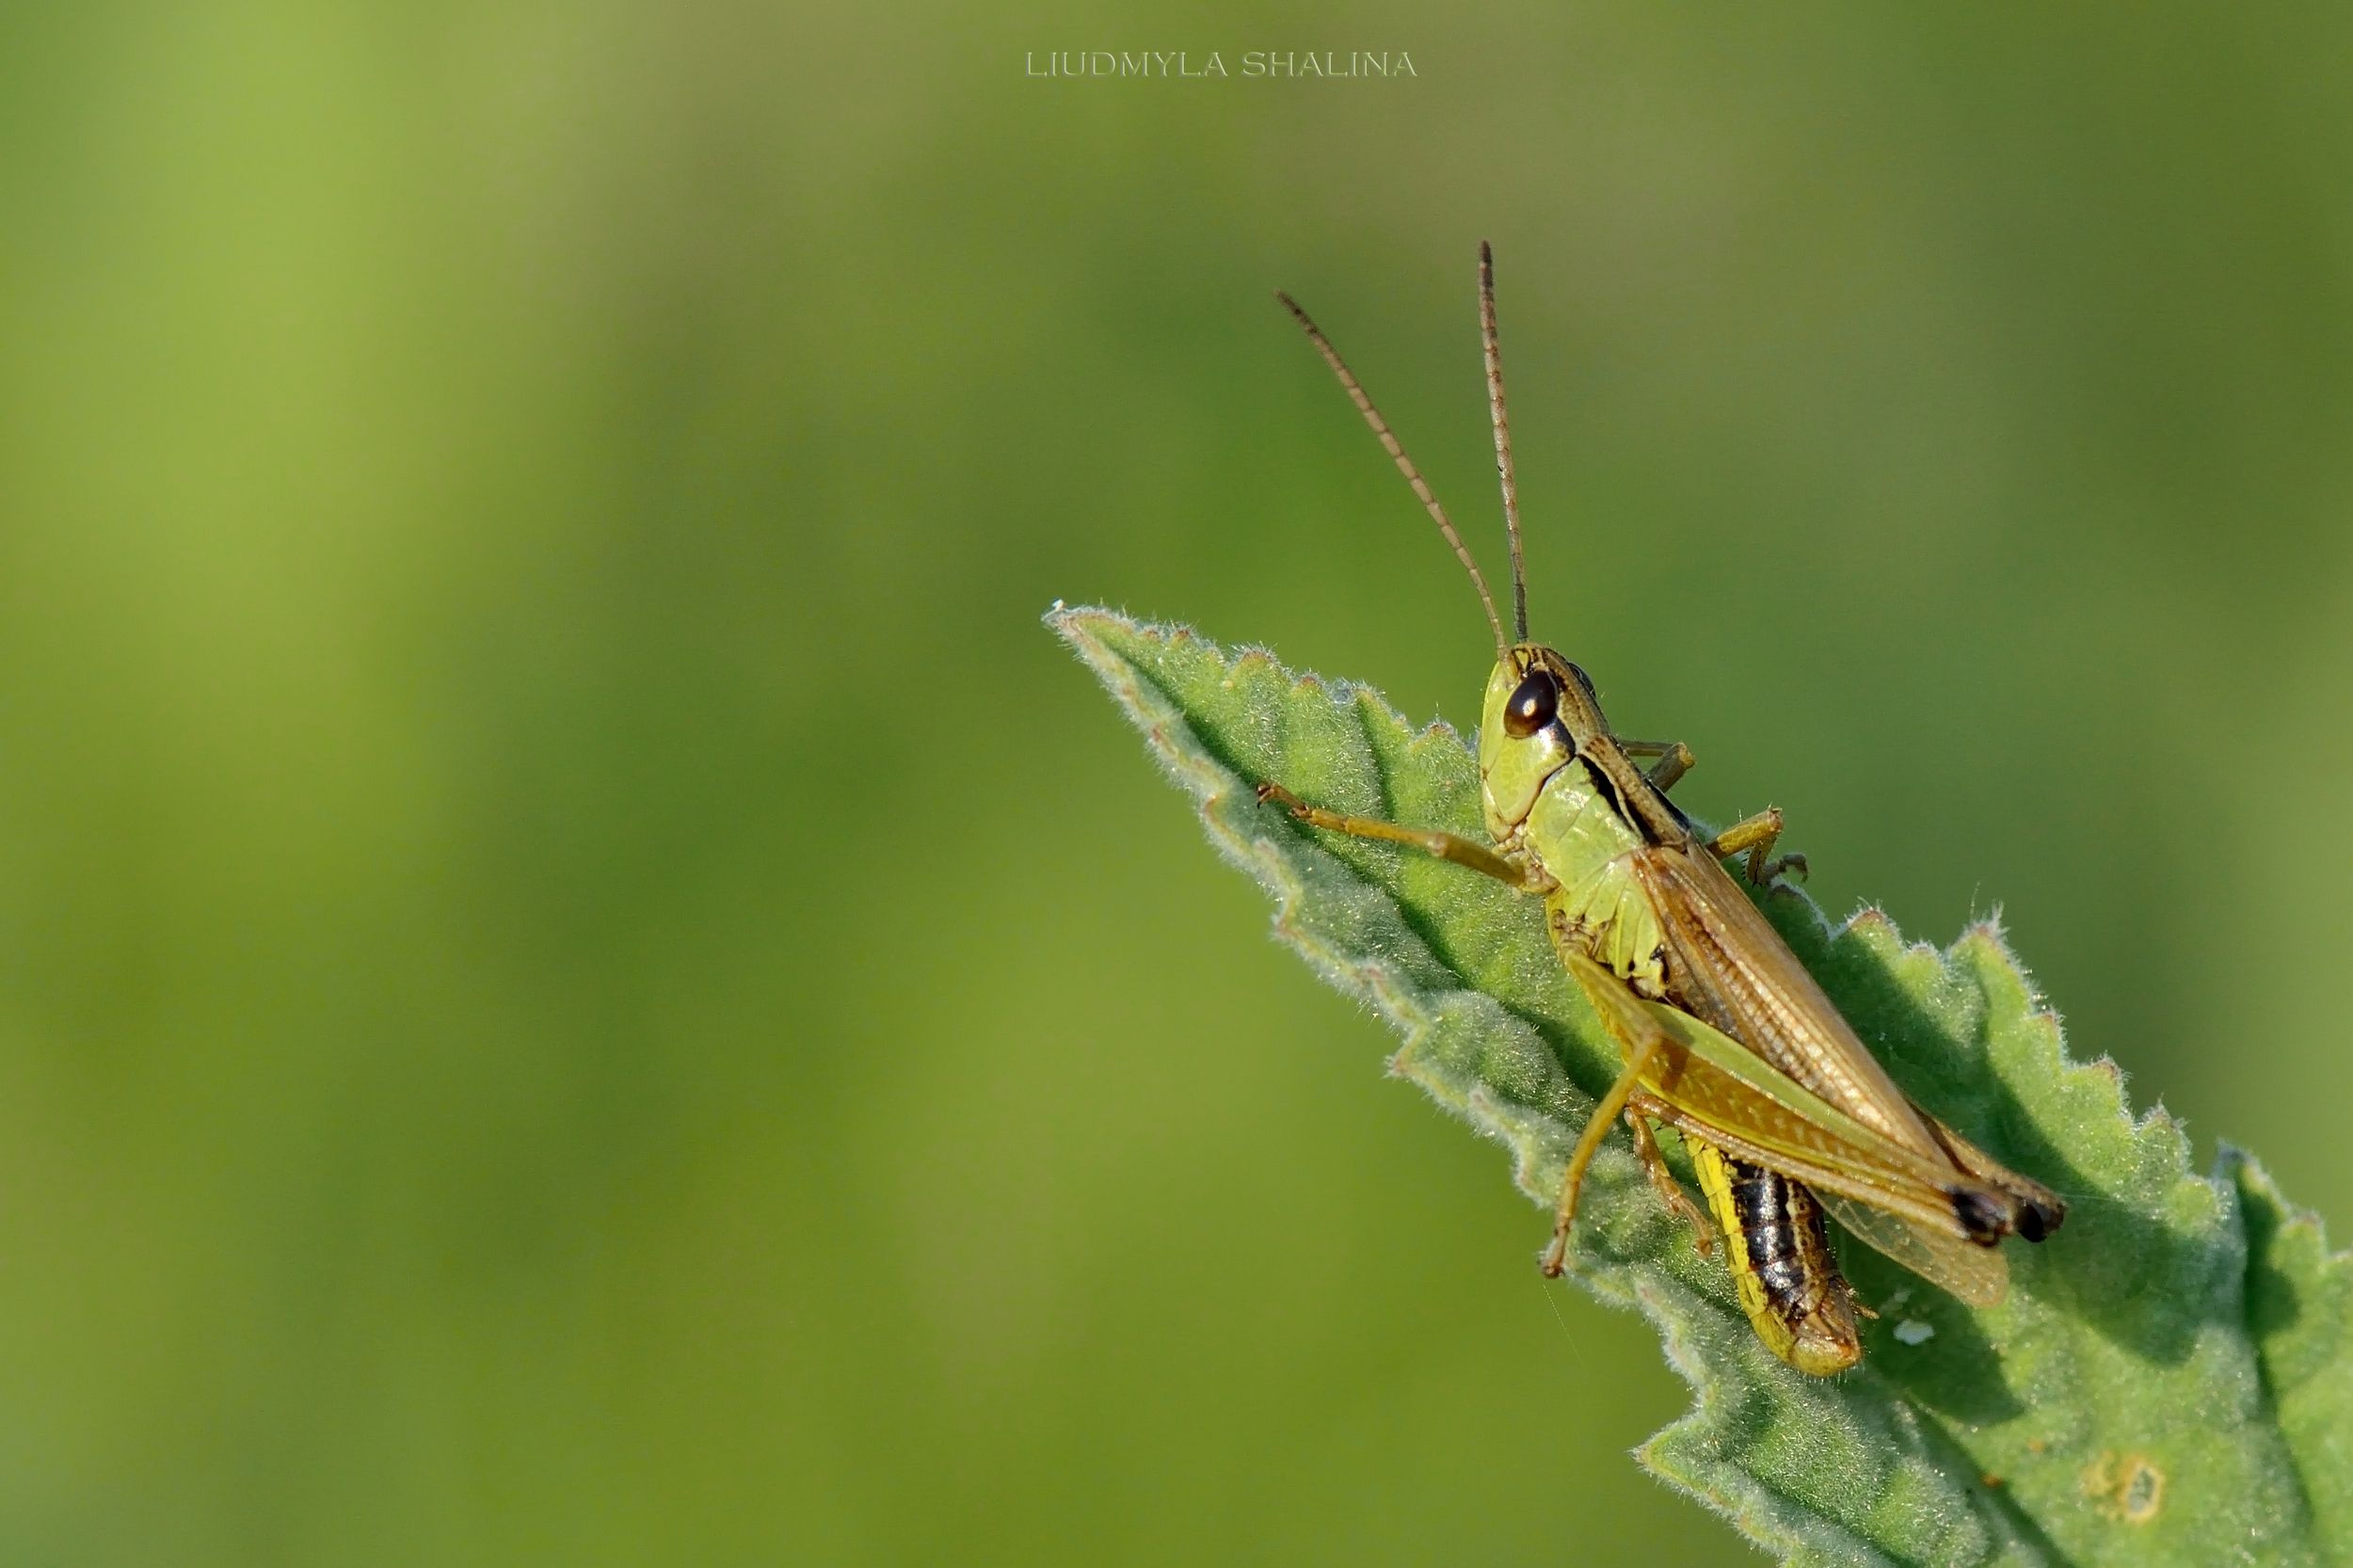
(1778, 1253)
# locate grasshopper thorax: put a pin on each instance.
(1539, 712)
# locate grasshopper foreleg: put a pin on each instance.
(1674, 760)
(1430, 840)
(1753, 838)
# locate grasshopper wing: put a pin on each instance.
(1730, 967)
(1976, 1275)
(1707, 1084)
(1733, 967)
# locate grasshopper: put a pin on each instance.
(1725, 1036)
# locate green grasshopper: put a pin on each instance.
(1725, 1036)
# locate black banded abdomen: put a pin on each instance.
(1778, 1249)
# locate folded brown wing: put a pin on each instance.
(1729, 966)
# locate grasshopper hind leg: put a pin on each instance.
(1573, 1178)
(1640, 1037)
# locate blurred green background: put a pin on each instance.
(580, 981)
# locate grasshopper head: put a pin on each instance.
(1540, 709)
(1539, 712)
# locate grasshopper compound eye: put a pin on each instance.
(1533, 703)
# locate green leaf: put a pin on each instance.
(2170, 1380)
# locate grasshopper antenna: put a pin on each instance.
(1405, 466)
(1503, 432)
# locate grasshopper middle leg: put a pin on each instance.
(1753, 837)
(1674, 760)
